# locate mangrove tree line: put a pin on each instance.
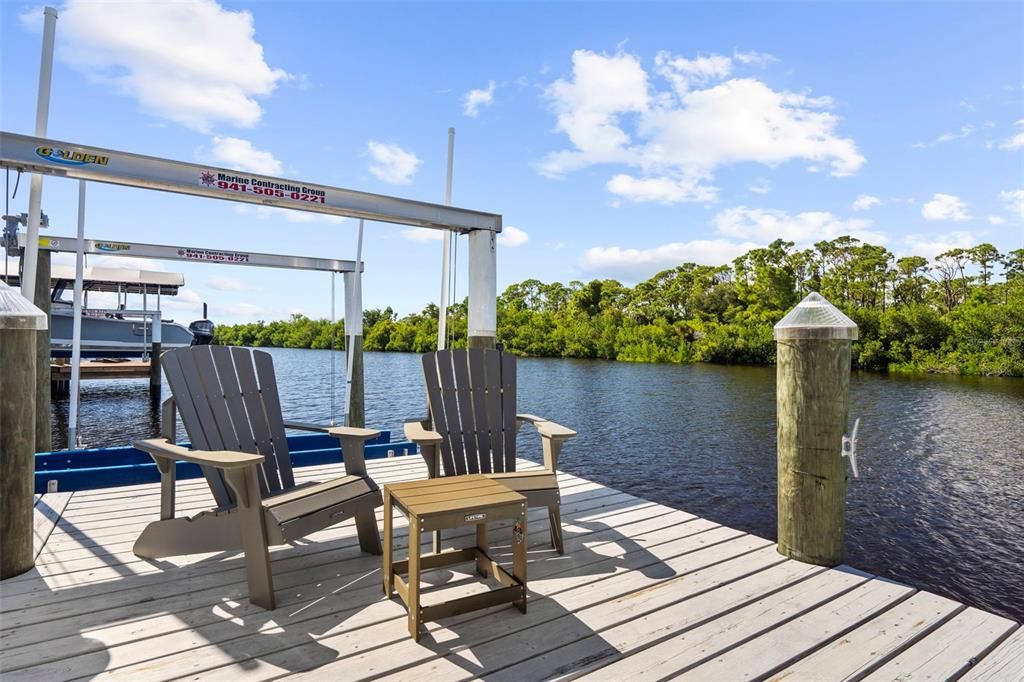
(961, 312)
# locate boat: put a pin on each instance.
(119, 331)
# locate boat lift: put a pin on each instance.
(41, 156)
(347, 268)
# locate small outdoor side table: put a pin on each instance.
(452, 502)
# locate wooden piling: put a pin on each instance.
(20, 325)
(813, 346)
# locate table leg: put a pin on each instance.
(414, 578)
(483, 549)
(520, 539)
(388, 573)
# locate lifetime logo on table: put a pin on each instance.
(472, 518)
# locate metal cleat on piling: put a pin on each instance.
(849, 447)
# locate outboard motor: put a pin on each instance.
(202, 330)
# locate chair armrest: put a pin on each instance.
(347, 431)
(417, 433)
(547, 429)
(221, 459)
(353, 432)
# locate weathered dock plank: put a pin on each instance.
(789, 642)
(1005, 662)
(642, 591)
(45, 517)
(950, 650)
(874, 642)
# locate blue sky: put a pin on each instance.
(618, 139)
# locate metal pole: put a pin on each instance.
(35, 193)
(145, 323)
(334, 409)
(76, 325)
(20, 324)
(154, 354)
(812, 393)
(355, 409)
(446, 250)
(32, 265)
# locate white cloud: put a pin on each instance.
(761, 186)
(239, 154)
(945, 207)
(664, 190)
(681, 72)
(1014, 200)
(740, 229)
(511, 237)
(931, 245)
(224, 283)
(996, 220)
(187, 300)
(612, 114)
(744, 120)
(865, 202)
(965, 131)
(422, 234)
(636, 264)
(192, 61)
(766, 225)
(1017, 141)
(392, 164)
(752, 57)
(246, 311)
(588, 108)
(475, 99)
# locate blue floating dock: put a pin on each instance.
(93, 468)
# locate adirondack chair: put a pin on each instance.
(472, 427)
(238, 439)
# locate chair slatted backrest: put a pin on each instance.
(227, 399)
(471, 395)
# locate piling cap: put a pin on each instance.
(815, 318)
(16, 312)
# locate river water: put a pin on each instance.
(939, 503)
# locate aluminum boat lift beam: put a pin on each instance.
(192, 254)
(71, 160)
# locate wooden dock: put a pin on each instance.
(60, 373)
(643, 592)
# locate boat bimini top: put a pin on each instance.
(122, 280)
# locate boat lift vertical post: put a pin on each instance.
(446, 251)
(355, 408)
(36, 264)
(76, 323)
(156, 339)
(35, 192)
(483, 289)
(154, 355)
(334, 320)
